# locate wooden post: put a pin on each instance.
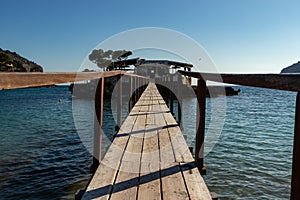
(143, 85)
(138, 89)
(119, 104)
(130, 93)
(295, 183)
(171, 95)
(199, 150)
(98, 121)
(165, 89)
(135, 90)
(179, 98)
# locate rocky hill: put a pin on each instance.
(12, 62)
(294, 68)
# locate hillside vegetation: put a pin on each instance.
(12, 62)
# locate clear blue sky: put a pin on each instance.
(241, 36)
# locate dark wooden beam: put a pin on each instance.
(119, 100)
(98, 122)
(199, 149)
(295, 183)
(290, 82)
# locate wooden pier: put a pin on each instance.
(149, 158)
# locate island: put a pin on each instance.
(294, 68)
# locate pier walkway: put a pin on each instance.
(149, 158)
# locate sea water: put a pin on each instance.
(252, 158)
(43, 157)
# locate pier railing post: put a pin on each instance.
(119, 105)
(295, 182)
(166, 90)
(97, 148)
(135, 91)
(179, 99)
(199, 150)
(130, 93)
(143, 85)
(138, 89)
(171, 94)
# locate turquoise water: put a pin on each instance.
(42, 156)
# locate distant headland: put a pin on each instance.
(294, 68)
(13, 62)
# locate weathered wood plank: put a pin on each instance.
(149, 185)
(35, 79)
(153, 158)
(195, 184)
(102, 183)
(173, 186)
(127, 179)
(12, 80)
(290, 82)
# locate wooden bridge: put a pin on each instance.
(149, 158)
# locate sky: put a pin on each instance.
(240, 36)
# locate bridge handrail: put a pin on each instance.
(289, 82)
(13, 80)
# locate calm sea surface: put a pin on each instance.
(43, 157)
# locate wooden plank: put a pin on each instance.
(102, 182)
(12, 80)
(149, 184)
(127, 179)
(167, 157)
(195, 184)
(290, 82)
(153, 158)
(173, 186)
(35, 79)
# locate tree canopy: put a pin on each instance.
(104, 59)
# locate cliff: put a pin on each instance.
(294, 68)
(13, 62)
